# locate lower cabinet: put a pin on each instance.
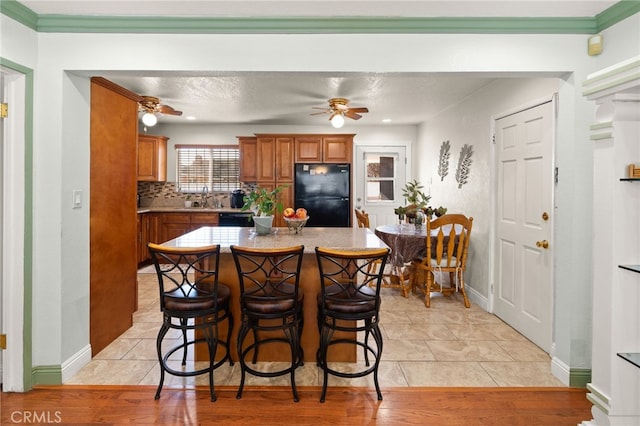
(147, 232)
(161, 227)
(172, 225)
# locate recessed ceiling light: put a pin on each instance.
(190, 117)
(386, 120)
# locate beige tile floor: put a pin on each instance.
(445, 345)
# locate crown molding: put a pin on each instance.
(317, 25)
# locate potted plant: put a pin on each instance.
(264, 203)
(417, 199)
(187, 201)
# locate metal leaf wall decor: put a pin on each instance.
(464, 163)
(443, 165)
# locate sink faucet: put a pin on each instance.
(205, 192)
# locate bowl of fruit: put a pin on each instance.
(295, 219)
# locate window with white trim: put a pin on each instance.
(216, 167)
(380, 179)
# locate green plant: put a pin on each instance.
(412, 191)
(264, 202)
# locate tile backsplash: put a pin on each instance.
(166, 194)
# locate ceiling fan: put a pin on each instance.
(151, 105)
(339, 108)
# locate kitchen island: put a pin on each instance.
(337, 238)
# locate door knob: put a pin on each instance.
(544, 244)
(545, 216)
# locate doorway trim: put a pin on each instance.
(17, 223)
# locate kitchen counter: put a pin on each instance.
(188, 210)
(337, 238)
(342, 238)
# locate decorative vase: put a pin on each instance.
(263, 224)
(187, 203)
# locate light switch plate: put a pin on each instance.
(77, 198)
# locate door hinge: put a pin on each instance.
(493, 139)
(4, 110)
(3, 341)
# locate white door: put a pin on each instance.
(524, 218)
(380, 174)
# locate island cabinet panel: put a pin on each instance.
(248, 146)
(152, 158)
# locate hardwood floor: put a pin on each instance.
(120, 405)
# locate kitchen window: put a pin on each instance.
(216, 167)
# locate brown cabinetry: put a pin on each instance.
(173, 225)
(324, 148)
(248, 146)
(148, 231)
(152, 158)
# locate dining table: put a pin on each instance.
(408, 243)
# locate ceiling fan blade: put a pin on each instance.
(319, 113)
(359, 109)
(167, 110)
(352, 115)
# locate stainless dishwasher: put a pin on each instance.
(235, 219)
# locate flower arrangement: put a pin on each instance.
(264, 202)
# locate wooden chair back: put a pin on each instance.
(362, 218)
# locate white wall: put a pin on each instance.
(470, 123)
(57, 138)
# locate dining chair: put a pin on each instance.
(271, 305)
(395, 280)
(348, 305)
(193, 302)
(447, 247)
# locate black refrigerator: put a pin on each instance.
(324, 190)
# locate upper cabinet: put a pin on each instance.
(271, 157)
(324, 148)
(152, 158)
(266, 158)
(248, 146)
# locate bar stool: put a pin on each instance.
(194, 302)
(271, 307)
(349, 301)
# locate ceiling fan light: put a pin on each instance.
(149, 119)
(337, 121)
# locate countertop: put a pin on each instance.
(336, 238)
(190, 210)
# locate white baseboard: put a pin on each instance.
(72, 365)
(477, 298)
(561, 371)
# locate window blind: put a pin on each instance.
(215, 166)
